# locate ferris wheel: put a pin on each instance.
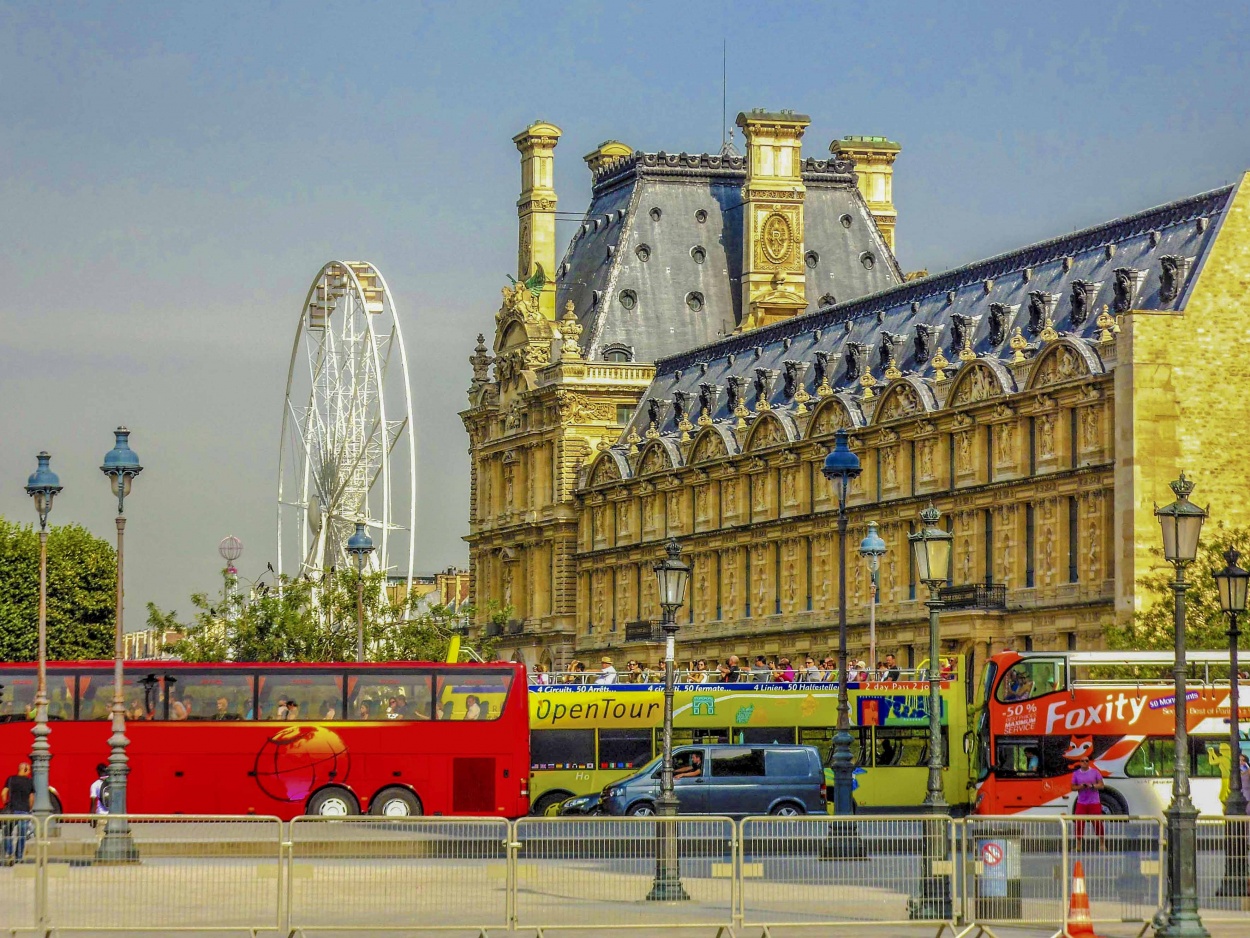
(348, 452)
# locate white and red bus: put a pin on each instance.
(390, 739)
(1042, 711)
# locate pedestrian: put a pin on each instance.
(17, 798)
(1243, 764)
(1087, 783)
(98, 793)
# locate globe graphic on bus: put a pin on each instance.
(297, 760)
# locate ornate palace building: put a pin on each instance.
(680, 372)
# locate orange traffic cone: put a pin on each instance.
(1080, 924)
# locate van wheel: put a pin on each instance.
(546, 800)
(333, 802)
(787, 809)
(642, 809)
(1113, 803)
(395, 802)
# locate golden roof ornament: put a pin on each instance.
(571, 330)
(966, 354)
(653, 432)
(604, 444)
(741, 412)
(633, 439)
(824, 389)
(940, 364)
(685, 426)
(1048, 331)
(891, 370)
(1018, 345)
(868, 382)
(801, 397)
(1106, 322)
(705, 419)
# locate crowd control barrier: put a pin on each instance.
(762, 875)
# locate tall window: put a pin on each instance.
(950, 460)
(911, 564)
(877, 460)
(1074, 573)
(950, 567)
(613, 598)
(718, 575)
(912, 463)
(989, 547)
(638, 593)
(808, 543)
(1029, 574)
(989, 452)
(1073, 455)
(746, 580)
(777, 579)
(1032, 446)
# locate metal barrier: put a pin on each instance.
(602, 872)
(1015, 871)
(187, 873)
(389, 874)
(1224, 870)
(1122, 860)
(814, 871)
(21, 885)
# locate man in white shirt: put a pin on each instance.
(607, 673)
(99, 802)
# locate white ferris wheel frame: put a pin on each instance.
(351, 294)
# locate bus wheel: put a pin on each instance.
(546, 800)
(1113, 803)
(395, 802)
(333, 802)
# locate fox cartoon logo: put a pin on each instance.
(1079, 748)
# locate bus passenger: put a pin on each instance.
(292, 710)
(363, 712)
(472, 708)
(181, 709)
(328, 710)
(223, 710)
(135, 711)
(445, 713)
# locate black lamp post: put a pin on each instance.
(671, 577)
(1231, 583)
(1182, 522)
(42, 486)
(121, 465)
(360, 546)
(931, 546)
(841, 468)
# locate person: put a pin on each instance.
(811, 673)
(861, 671)
(784, 673)
(329, 711)
(699, 674)
(292, 710)
(1087, 783)
(362, 713)
(760, 672)
(891, 672)
(135, 711)
(283, 706)
(1244, 775)
(694, 769)
(98, 794)
(181, 709)
(735, 670)
(722, 673)
(472, 707)
(223, 710)
(607, 673)
(18, 799)
(540, 674)
(579, 675)
(392, 709)
(633, 673)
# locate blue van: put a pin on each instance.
(727, 780)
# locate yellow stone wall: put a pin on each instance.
(1182, 384)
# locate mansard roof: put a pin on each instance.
(1142, 261)
(656, 263)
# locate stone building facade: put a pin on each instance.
(1042, 399)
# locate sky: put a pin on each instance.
(173, 176)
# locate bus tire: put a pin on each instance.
(546, 800)
(333, 802)
(641, 809)
(395, 802)
(1113, 803)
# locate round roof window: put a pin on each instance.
(698, 254)
(811, 259)
(655, 214)
(700, 216)
(846, 221)
(643, 251)
(867, 260)
(629, 299)
(694, 301)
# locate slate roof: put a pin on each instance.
(1123, 264)
(662, 227)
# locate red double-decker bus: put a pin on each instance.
(391, 739)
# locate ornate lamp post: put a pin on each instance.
(1231, 583)
(1182, 522)
(42, 486)
(360, 546)
(671, 577)
(931, 546)
(841, 468)
(121, 465)
(872, 549)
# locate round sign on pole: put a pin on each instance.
(991, 854)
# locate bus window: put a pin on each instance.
(987, 680)
(905, 746)
(402, 696)
(1032, 757)
(686, 736)
(1209, 756)
(294, 695)
(820, 737)
(624, 749)
(141, 694)
(209, 695)
(764, 734)
(1030, 678)
(562, 749)
(471, 695)
(1152, 759)
(17, 696)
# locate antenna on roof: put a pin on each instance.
(724, 91)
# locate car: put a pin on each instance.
(580, 805)
(736, 781)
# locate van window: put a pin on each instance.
(787, 762)
(737, 763)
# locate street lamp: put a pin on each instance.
(1231, 583)
(841, 468)
(1182, 524)
(931, 547)
(360, 546)
(671, 577)
(121, 465)
(42, 486)
(872, 549)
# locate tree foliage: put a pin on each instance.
(82, 584)
(303, 620)
(1206, 625)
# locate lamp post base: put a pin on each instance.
(1180, 918)
(667, 886)
(117, 847)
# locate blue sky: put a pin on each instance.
(172, 175)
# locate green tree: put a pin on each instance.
(303, 620)
(1206, 625)
(82, 584)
